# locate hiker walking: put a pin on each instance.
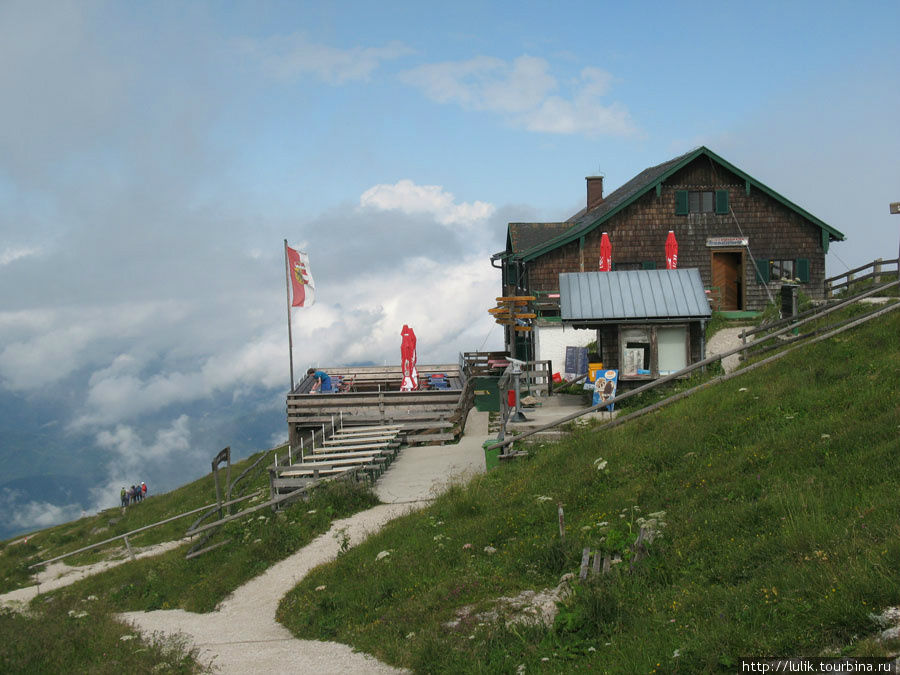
(123, 496)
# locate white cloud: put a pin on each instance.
(432, 200)
(132, 456)
(33, 515)
(45, 346)
(292, 56)
(583, 115)
(446, 304)
(11, 254)
(523, 92)
(121, 392)
(127, 443)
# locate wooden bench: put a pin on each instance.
(380, 427)
(361, 454)
(326, 467)
(343, 440)
(354, 446)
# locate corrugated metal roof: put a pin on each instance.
(632, 295)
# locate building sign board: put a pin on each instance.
(727, 242)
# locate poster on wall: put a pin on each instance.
(605, 387)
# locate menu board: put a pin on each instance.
(576, 362)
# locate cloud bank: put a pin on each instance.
(525, 94)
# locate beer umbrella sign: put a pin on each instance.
(605, 253)
(671, 251)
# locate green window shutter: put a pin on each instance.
(762, 271)
(681, 202)
(803, 270)
(648, 265)
(722, 202)
(612, 267)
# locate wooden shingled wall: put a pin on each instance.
(638, 235)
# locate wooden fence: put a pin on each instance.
(870, 272)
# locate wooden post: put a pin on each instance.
(585, 557)
(877, 278)
(562, 524)
(596, 568)
(128, 546)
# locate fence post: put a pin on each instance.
(128, 546)
(878, 271)
(562, 524)
(585, 557)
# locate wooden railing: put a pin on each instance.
(872, 271)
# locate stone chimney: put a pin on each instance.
(594, 191)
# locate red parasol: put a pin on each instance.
(671, 251)
(605, 253)
(408, 359)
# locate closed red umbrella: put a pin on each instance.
(408, 359)
(671, 252)
(605, 253)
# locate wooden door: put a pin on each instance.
(726, 280)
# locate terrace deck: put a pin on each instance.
(373, 397)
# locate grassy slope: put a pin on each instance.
(60, 539)
(781, 494)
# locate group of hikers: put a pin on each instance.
(134, 495)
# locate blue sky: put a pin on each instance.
(154, 155)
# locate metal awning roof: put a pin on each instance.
(635, 295)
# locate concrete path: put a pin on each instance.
(420, 473)
(242, 636)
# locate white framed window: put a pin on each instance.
(635, 352)
(672, 348)
(651, 351)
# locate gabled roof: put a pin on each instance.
(524, 236)
(634, 295)
(645, 181)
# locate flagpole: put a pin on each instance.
(287, 288)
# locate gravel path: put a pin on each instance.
(723, 341)
(242, 635)
(58, 574)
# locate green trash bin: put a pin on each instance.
(491, 457)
